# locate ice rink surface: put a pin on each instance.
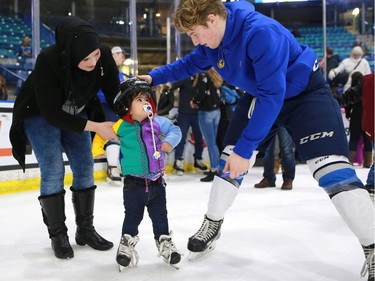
(267, 235)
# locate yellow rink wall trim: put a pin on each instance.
(8, 187)
(14, 186)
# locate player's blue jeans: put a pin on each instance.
(209, 124)
(184, 122)
(287, 156)
(48, 143)
(136, 198)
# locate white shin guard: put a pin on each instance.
(357, 210)
(221, 198)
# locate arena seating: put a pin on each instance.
(337, 37)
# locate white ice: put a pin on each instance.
(267, 235)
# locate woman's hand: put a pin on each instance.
(193, 105)
(104, 129)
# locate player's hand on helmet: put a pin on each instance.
(147, 78)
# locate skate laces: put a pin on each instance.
(207, 230)
(126, 248)
(369, 263)
(166, 248)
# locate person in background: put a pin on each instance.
(284, 84)
(144, 137)
(56, 110)
(229, 97)
(3, 88)
(368, 123)
(287, 161)
(187, 117)
(24, 53)
(360, 43)
(362, 91)
(207, 102)
(164, 99)
(349, 65)
(354, 112)
(333, 61)
(111, 148)
(119, 55)
(24, 50)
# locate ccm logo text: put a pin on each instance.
(316, 136)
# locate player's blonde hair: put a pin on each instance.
(191, 13)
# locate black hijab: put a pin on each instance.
(75, 40)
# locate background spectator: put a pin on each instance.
(187, 117)
(3, 88)
(287, 161)
(354, 63)
(207, 101)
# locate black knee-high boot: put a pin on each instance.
(83, 203)
(53, 211)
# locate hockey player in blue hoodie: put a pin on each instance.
(284, 86)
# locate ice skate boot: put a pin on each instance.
(168, 251)
(113, 176)
(369, 265)
(370, 189)
(178, 167)
(199, 166)
(126, 254)
(204, 240)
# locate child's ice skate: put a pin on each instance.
(126, 254)
(178, 167)
(204, 241)
(369, 265)
(168, 251)
(199, 166)
(113, 176)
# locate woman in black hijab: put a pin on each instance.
(56, 110)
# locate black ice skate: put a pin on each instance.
(168, 251)
(113, 176)
(369, 265)
(204, 241)
(199, 166)
(178, 167)
(126, 254)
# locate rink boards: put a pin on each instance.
(12, 178)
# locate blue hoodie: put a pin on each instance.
(271, 66)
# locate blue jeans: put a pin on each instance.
(48, 142)
(136, 198)
(184, 122)
(287, 156)
(209, 124)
